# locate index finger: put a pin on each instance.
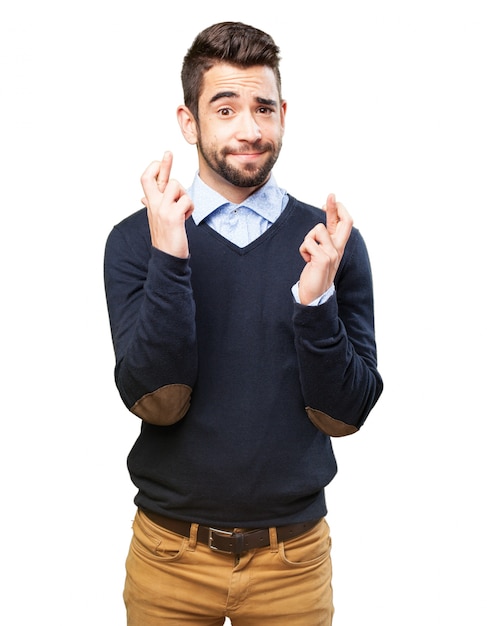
(331, 211)
(343, 227)
(164, 171)
(149, 179)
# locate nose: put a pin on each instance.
(249, 129)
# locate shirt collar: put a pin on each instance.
(268, 201)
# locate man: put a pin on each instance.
(243, 327)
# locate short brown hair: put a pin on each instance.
(227, 42)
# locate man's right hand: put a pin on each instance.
(168, 208)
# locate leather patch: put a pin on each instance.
(164, 406)
(329, 425)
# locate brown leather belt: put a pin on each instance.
(228, 540)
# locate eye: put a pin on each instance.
(264, 110)
(224, 111)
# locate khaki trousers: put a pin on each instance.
(176, 581)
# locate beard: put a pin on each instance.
(249, 175)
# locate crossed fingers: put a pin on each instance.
(155, 178)
(338, 223)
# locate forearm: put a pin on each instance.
(335, 344)
(340, 385)
(151, 312)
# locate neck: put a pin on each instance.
(232, 193)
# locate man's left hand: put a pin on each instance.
(322, 249)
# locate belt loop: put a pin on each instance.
(193, 537)
(274, 544)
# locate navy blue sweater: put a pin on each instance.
(238, 387)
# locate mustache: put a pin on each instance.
(249, 149)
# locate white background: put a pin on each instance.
(387, 108)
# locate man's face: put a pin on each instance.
(240, 128)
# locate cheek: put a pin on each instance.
(273, 130)
(213, 135)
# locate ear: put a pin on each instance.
(188, 124)
(283, 114)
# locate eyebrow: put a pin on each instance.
(231, 94)
(223, 94)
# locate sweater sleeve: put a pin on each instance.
(336, 348)
(152, 320)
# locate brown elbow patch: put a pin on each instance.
(164, 406)
(329, 425)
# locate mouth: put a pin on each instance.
(249, 153)
(246, 157)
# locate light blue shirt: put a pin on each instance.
(243, 223)
(239, 223)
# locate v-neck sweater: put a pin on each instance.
(263, 372)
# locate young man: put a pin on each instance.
(243, 328)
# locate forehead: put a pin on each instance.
(256, 81)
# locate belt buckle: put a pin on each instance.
(220, 533)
